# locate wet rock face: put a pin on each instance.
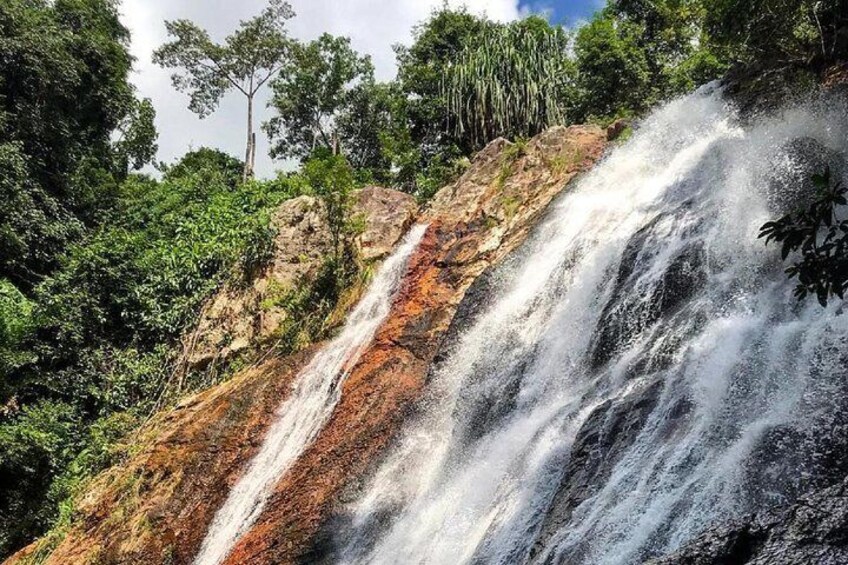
(791, 171)
(788, 463)
(814, 531)
(629, 313)
(604, 437)
(800, 474)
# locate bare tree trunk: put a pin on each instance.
(253, 155)
(251, 140)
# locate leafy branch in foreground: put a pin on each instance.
(821, 238)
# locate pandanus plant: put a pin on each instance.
(515, 82)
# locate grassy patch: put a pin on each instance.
(567, 159)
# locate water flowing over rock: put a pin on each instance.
(472, 224)
(635, 373)
(165, 497)
(815, 530)
(610, 374)
(301, 417)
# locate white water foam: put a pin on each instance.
(475, 476)
(314, 396)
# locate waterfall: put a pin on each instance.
(637, 371)
(314, 395)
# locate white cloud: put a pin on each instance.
(373, 26)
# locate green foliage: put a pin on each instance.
(137, 146)
(700, 67)
(437, 173)
(310, 306)
(438, 42)
(142, 278)
(33, 224)
(332, 179)
(316, 95)
(670, 30)
(516, 81)
(205, 161)
(466, 80)
(17, 325)
(102, 445)
(246, 61)
(64, 87)
(63, 92)
(820, 237)
(774, 34)
(614, 73)
(92, 351)
(373, 132)
(637, 52)
(37, 443)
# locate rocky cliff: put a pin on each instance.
(156, 507)
(241, 318)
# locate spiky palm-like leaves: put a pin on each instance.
(517, 81)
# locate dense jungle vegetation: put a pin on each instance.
(102, 267)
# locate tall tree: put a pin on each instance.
(244, 62)
(136, 144)
(325, 79)
(421, 69)
(779, 34)
(613, 70)
(678, 51)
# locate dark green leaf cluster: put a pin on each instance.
(332, 179)
(820, 238)
(775, 34)
(317, 96)
(64, 67)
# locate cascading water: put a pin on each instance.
(315, 393)
(639, 370)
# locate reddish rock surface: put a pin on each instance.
(157, 507)
(473, 224)
(197, 451)
(836, 75)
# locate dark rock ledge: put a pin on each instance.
(812, 531)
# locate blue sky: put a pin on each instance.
(567, 12)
